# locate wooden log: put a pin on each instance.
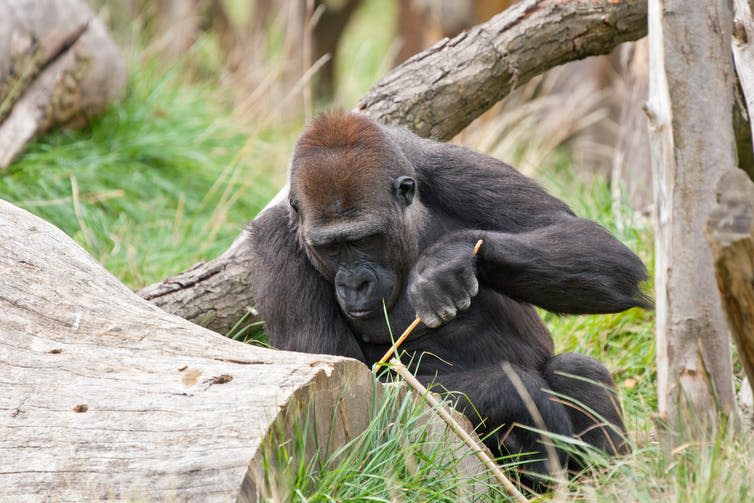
(58, 67)
(106, 396)
(436, 93)
(730, 232)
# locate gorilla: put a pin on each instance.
(379, 228)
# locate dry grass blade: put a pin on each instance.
(553, 464)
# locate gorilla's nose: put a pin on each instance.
(356, 287)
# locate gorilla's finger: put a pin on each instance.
(453, 288)
(472, 286)
(464, 303)
(420, 295)
(447, 312)
(430, 320)
(421, 306)
(440, 303)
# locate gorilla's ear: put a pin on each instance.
(404, 188)
(294, 205)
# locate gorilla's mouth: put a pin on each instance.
(361, 314)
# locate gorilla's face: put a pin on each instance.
(361, 271)
(351, 196)
(361, 245)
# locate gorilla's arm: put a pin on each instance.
(295, 301)
(535, 249)
(571, 267)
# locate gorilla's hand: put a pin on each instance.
(443, 281)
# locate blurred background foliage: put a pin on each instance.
(218, 92)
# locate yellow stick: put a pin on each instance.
(442, 409)
(400, 340)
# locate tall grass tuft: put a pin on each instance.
(150, 187)
(403, 455)
(170, 175)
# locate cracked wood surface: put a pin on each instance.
(106, 396)
(436, 93)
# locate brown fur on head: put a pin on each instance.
(342, 177)
(342, 162)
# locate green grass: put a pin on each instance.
(624, 341)
(402, 455)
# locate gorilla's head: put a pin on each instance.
(353, 202)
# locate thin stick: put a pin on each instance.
(400, 340)
(476, 248)
(442, 411)
(416, 322)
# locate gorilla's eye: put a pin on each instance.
(370, 243)
(404, 187)
(293, 204)
(327, 251)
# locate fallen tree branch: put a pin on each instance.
(58, 67)
(440, 91)
(436, 93)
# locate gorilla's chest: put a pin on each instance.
(487, 333)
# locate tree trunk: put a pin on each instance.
(435, 93)
(730, 232)
(743, 56)
(692, 145)
(106, 396)
(58, 67)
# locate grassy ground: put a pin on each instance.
(169, 176)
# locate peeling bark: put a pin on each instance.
(730, 232)
(743, 56)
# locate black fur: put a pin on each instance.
(535, 252)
